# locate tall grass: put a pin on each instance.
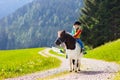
(19, 62)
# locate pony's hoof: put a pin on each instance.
(75, 70)
(79, 70)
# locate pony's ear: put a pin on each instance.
(64, 31)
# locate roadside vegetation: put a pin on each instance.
(15, 63)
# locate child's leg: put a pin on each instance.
(80, 42)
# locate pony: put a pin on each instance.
(73, 49)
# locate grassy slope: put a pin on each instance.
(19, 62)
(108, 52)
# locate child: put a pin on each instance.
(76, 32)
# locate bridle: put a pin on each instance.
(61, 40)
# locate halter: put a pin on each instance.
(61, 40)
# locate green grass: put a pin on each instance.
(117, 76)
(108, 52)
(19, 62)
(57, 54)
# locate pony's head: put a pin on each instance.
(64, 37)
(61, 37)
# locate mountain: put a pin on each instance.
(9, 6)
(36, 24)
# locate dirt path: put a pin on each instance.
(91, 70)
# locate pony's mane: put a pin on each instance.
(70, 41)
(69, 34)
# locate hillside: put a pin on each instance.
(36, 24)
(109, 52)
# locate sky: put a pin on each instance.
(9, 6)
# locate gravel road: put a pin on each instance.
(91, 70)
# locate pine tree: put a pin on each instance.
(101, 21)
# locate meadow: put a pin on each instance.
(109, 52)
(15, 63)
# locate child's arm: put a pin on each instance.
(77, 33)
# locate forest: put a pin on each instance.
(101, 21)
(36, 24)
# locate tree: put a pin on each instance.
(3, 38)
(101, 21)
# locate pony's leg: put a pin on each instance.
(70, 65)
(75, 66)
(79, 63)
(73, 63)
